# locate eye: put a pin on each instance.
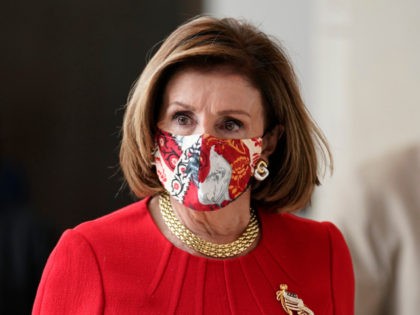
(232, 125)
(182, 119)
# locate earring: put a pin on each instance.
(261, 170)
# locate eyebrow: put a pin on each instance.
(186, 106)
(223, 112)
(234, 111)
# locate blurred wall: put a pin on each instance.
(291, 22)
(358, 62)
(66, 70)
(366, 54)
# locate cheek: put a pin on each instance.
(258, 117)
(258, 124)
(164, 122)
(161, 124)
(161, 109)
(160, 118)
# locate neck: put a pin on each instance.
(219, 226)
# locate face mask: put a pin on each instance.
(204, 172)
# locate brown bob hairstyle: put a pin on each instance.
(207, 42)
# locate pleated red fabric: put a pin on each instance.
(122, 264)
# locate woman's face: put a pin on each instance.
(218, 102)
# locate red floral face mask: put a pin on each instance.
(204, 172)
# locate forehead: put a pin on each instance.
(217, 82)
(210, 70)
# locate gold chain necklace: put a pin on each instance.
(202, 246)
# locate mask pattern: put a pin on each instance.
(204, 172)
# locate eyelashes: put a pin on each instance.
(182, 118)
(186, 119)
(231, 124)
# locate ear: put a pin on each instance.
(270, 140)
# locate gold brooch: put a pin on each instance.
(291, 302)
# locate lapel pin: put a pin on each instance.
(291, 303)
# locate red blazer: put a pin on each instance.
(122, 264)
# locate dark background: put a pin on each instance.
(66, 69)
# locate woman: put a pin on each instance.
(218, 143)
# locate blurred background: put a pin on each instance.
(66, 70)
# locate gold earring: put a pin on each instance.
(261, 170)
